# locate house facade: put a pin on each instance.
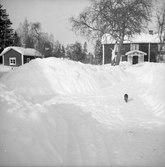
(17, 56)
(144, 47)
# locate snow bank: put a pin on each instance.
(57, 76)
(67, 132)
(153, 74)
(56, 135)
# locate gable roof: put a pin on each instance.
(135, 51)
(23, 51)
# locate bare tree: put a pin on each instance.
(32, 36)
(36, 33)
(160, 18)
(119, 18)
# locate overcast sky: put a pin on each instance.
(52, 14)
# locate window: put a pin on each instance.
(134, 47)
(12, 61)
(27, 60)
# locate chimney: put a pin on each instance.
(151, 32)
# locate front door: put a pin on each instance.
(135, 59)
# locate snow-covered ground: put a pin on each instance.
(57, 112)
(4, 69)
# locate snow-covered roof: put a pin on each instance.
(135, 51)
(142, 38)
(145, 38)
(23, 51)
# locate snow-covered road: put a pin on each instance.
(92, 128)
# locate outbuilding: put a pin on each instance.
(135, 56)
(17, 56)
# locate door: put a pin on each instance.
(135, 60)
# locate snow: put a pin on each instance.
(154, 75)
(146, 38)
(56, 112)
(4, 69)
(58, 76)
(138, 38)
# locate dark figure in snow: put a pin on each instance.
(126, 98)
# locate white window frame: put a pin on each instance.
(134, 47)
(12, 61)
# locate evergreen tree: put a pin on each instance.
(6, 32)
(58, 53)
(17, 40)
(63, 51)
(85, 48)
(98, 50)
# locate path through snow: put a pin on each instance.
(94, 128)
(130, 134)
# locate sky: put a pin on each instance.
(53, 15)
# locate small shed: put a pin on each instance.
(17, 56)
(135, 56)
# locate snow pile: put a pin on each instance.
(56, 135)
(57, 76)
(95, 128)
(153, 74)
(125, 64)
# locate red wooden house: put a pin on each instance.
(17, 56)
(144, 47)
